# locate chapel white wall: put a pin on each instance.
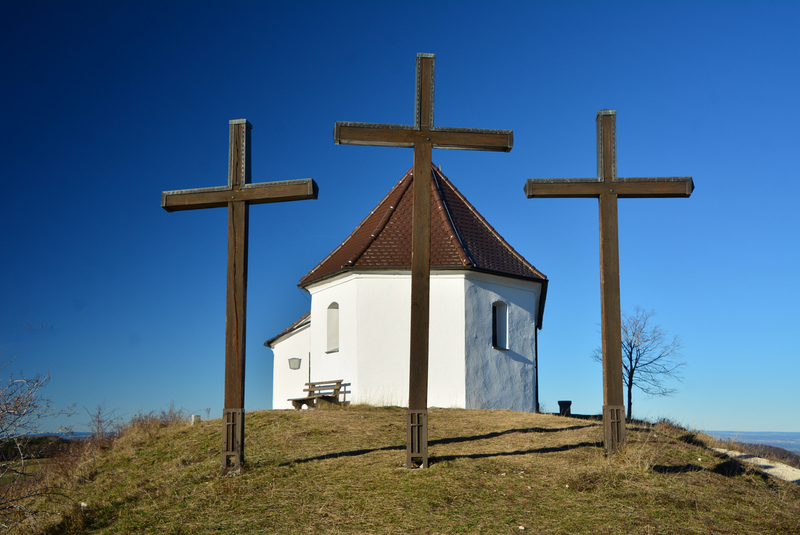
(377, 347)
(384, 302)
(495, 378)
(383, 353)
(464, 369)
(446, 360)
(340, 364)
(288, 383)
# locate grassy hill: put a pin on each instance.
(341, 471)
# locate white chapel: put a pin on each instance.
(486, 307)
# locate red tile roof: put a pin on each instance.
(460, 237)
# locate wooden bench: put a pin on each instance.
(328, 392)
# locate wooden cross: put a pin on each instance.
(422, 136)
(607, 188)
(237, 196)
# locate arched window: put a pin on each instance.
(333, 328)
(499, 325)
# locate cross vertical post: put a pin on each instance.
(423, 136)
(237, 197)
(610, 314)
(607, 188)
(421, 244)
(236, 297)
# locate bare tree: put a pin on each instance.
(649, 356)
(22, 409)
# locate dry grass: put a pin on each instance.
(341, 471)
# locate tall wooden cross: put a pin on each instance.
(607, 188)
(237, 196)
(422, 136)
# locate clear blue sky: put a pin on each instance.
(107, 104)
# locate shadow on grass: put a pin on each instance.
(692, 439)
(567, 447)
(733, 468)
(592, 417)
(457, 440)
(727, 468)
(681, 469)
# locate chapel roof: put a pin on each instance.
(460, 237)
(304, 320)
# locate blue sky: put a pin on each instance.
(107, 104)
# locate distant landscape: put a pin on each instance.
(787, 441)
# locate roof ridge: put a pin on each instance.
(447, 218)
(491, 229)
(384, 220)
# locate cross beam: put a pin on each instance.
(607, 188)
(422, 136)
(237, 196)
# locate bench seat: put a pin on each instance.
(327, 392)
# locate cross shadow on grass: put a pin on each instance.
(457, 440)
(554, 449)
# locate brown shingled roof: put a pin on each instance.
(460, 237)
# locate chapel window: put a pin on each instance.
(499, 325)
(333, 328)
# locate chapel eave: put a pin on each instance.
(378, 269)
(302, 322)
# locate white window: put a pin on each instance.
(333, 328)
(499, 325)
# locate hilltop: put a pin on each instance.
(341, 471)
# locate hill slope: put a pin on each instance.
(340, 471)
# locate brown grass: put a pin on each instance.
(341, 471)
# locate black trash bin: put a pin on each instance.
(564, 408)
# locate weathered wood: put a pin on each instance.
(420, 279)
(382, 135)
(237, 196)
(417, 437)
(235, 324)
(262, 193)
(328, 391)
(423, 136)
(626, 188)
(607, 188)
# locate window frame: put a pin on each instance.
(500, 335)
(332, 332)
